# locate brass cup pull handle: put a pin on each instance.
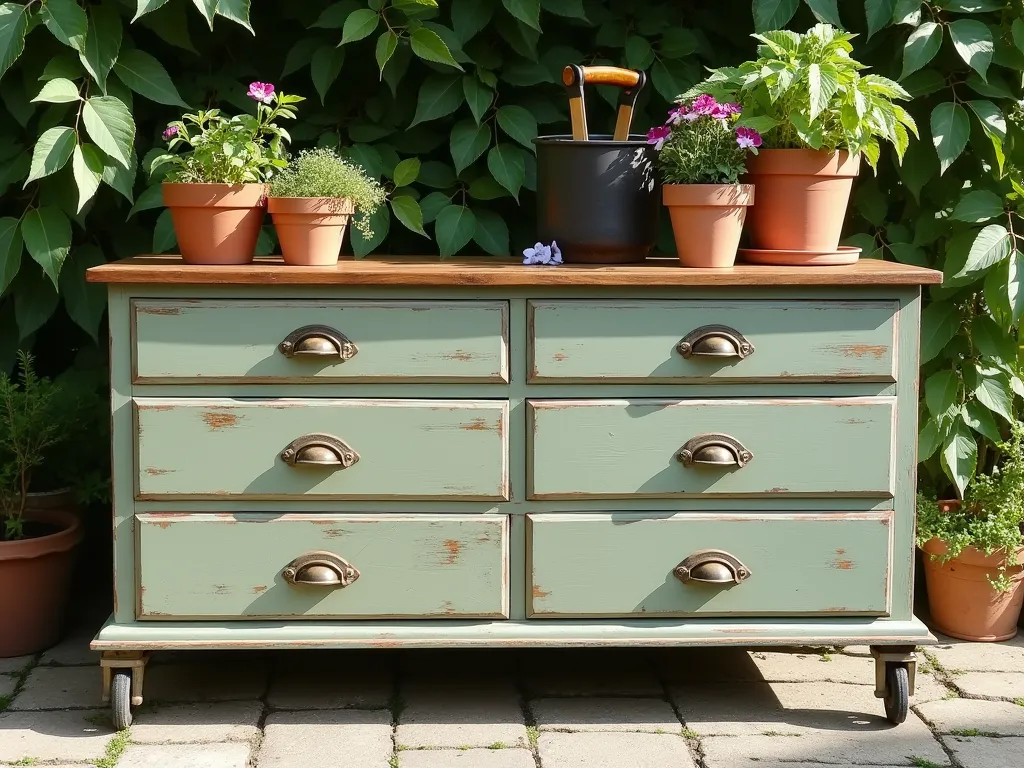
(715, 341)
(318, 341)
(712, 566)
(715, 450)
(319, 451)
(320, 569)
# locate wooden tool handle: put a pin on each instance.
(624, 78)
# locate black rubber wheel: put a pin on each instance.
(121, 699)
(897, 692)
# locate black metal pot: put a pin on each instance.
(599, 199)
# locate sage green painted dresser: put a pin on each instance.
(417, 453)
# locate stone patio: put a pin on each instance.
(628, 708)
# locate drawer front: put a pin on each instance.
(633, 448)
(623, 564)
(404, 566)
(240, 341)
(389, 449)
(638, 341)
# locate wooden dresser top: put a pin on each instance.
(431, 272)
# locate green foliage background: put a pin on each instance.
(87, 88)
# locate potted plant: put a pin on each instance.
(973, 550)
(312, 201)
(818, 115)
(216, 191)
(701, 155)
(36, 544)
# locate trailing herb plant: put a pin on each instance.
(805, 91)
(323, 172)
(991, 515)
(700, 143)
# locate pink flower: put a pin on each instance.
(261, 92)
(748, 138)
(704, 104)
(658, 135)
(170, 132)
(725, 111)
(677, 115)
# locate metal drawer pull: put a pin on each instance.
(711, 566)
(319, 451)
(318, 341)
(715, 341)
(320, 569)
(714, 449)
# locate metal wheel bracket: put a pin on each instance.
(898, 654)
(135, 661)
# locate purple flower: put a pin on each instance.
(704, 104)
(748, 138)
(170, 132)
(261, 92)
(543, 254)
(725, 111)
(658, 135)
(677, 115)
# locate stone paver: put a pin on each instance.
(577, 714)
(185, 756)
(588, 672)
(7, 685)
(330, 680)
(60, 688)
(814, 667)
(983, 752)
(14, 665)
(613, 750)
(694, 665)
(186, 723)
(466, 758)
(74, 735)
(463, 715)
(327, 739)
(954, 655)
(884, 748)
(73, 650)
(224, 679)
(994, 685)
(1001, 718)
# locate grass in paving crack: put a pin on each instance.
(498, 745)
(921, 762)
(971, 732)
(397, 706)
(689, 733)
(27, 761)
(393, 762)
(19, 682)
(532, 734)
(115, 748)
(1019, 702)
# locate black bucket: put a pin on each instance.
(599, 199)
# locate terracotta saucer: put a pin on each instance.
(845, 254)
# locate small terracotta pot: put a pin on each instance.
(707, 221)
(802, 196)
(310, 229)
(962, 602)
(216, 223)
(35, 575)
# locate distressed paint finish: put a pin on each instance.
(622, 448)
(635, 341)
(620, 564)
(413, 449)
(409, 566)
(237, 341)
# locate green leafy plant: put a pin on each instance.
(236, 150)
(700, 143)
(805, 91)
(323, 173)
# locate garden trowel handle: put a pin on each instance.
(575, 77)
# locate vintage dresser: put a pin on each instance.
(419, 453)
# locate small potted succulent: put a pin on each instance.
(818, 115)
(701, 155)
(37, 542)
(216, 190)
(312, 201)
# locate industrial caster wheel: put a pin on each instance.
(897, 692)
(121, 698)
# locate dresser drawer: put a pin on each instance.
(344, 449)
(252, 566)
(241, 341)
(736, 340)
(625, 564)
(672, 448)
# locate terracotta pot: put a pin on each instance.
(216, 223)
(802, 195)
(310, 229)
(34, 581)
(707, 221)
(962, 602)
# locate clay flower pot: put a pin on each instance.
(963, 603)
(310, 229)
(802, 196)
(707, 221)
(216, 223)
(35, 573)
